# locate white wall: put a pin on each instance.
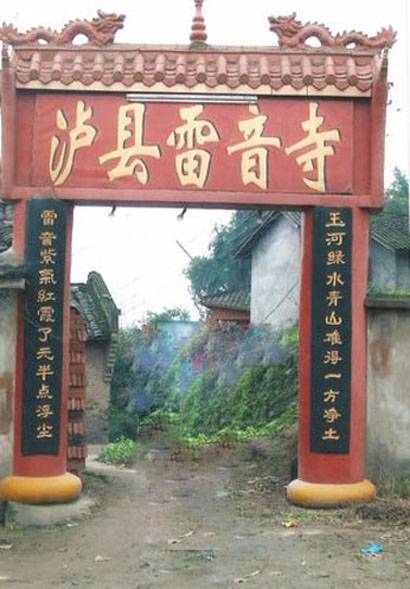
(275, 276)
(8, 324)
(388, 388)
(382, 266)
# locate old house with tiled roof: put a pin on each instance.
(229, 306)
(275, 245)
(100, 313)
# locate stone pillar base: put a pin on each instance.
(330, 495)
(40, 490)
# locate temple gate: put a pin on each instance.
(201, 126)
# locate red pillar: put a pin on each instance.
(333, 478)
(41, 478)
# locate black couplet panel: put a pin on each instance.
(43, 326)
(331, 330)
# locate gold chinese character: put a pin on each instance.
(45, 296)
(336, 238)
(333, 338)
(332, 375)
(332, 357)
(44, 411)
(333, 319)
(48, 216)
(333, 298)
(82, 135)
(47, 255)
(335, 257)
(45, 353)
(193, 165)
(46, 314)
(47, 238)
(44, 392)
(44, 332)
(334, 279)
(330, 434)
(254, 168)
(330, 396)
(46, 276)
(44, 431)
(130, 145)
(43, 371)
(335, 220)
(331, 415)
(315, 159)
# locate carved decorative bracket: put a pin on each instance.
(293, 34)
(99, 31)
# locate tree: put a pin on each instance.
(167, 314)
(397, 194)
(221, 271)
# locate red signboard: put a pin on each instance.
(85, 146)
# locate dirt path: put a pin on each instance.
(203, 524)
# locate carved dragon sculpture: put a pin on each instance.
(99, 31)
(293, 34)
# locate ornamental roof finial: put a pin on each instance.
(198, 35)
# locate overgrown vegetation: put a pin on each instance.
(224, 384)
(121, 452)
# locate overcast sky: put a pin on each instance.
(136, 249)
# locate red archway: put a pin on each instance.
(290, 126)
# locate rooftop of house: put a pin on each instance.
(239, 301)
(267, 220)
(6, 225)
(12, 269)
(388, 228)
(391, 230)
(95, 303)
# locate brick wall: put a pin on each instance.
(98, 393)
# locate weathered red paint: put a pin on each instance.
(36, 116)
(8, 106)
(336, 468)
(378, 122)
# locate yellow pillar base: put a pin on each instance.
(40, 490)
(324, 495)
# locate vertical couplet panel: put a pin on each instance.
(332, 426)
(43, 327)
(43, 235)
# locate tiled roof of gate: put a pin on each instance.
(213, 68)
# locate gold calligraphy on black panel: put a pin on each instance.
(331, 324)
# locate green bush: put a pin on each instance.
(242, 392)
(122, 424)
(123, 451)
